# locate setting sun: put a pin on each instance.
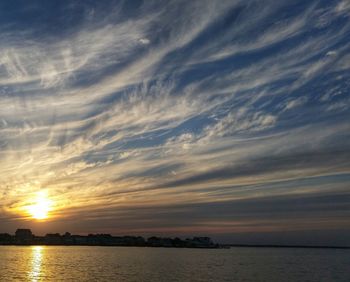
(41, 207)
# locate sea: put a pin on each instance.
(80, 263)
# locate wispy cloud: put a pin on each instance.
(133, 109)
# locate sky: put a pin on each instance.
(228, 119)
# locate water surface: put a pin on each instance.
(75, 263)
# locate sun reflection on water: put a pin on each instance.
(36, 263)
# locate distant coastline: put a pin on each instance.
(286, 246)
(25, 237)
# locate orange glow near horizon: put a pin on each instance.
(41, 207)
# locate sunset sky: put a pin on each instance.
(222, 118)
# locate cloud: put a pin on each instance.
(295, 103)
(144, 41)
(343, 6)
(126, 109)
(241, 122)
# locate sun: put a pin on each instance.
(41, 207)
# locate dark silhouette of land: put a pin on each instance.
(287, 246)
(26, 237)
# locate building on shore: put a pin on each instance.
(26, 237)
(23, 236)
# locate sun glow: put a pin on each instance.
(41, 207)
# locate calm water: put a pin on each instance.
(158, 264)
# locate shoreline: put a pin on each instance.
(218, 246)
(287, 246)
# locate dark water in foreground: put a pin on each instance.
(159, 264)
